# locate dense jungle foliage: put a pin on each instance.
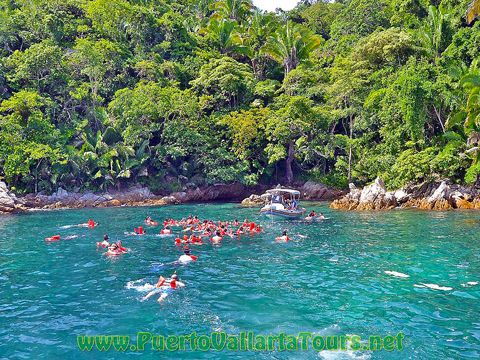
(96, 94)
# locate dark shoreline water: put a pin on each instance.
(329, 280)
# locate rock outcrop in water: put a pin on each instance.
(253, 201)
(9, 203)
(427, 196)
(372, 197)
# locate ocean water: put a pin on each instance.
(329, 280)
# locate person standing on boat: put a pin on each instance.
(294, 204)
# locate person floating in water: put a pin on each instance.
(91, 224)
(139, 231)
(105, 242)
(217, 238)
(53, 238)
(166, 230)
(150, 222)
(283, 238)
(165, 287)
(187, 256)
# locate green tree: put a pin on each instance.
(290, 45)
(224, 82)
(235, 10)
(433, 34)
(40, 66)
(28, 139)
(250, 37)
(346, 95)
(97, 61)
(287, 129)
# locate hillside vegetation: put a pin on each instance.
(97, 94)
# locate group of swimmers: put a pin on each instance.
(313, 216)
(193, 233)
(89, 224)
(194, 230)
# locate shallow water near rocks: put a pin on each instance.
(330, 280)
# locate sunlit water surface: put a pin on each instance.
(328, 280)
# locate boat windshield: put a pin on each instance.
(277, 199)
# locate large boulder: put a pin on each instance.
(169, 200)
(373, 197)
(440, 193)
(253, 201)
(8, 201)
(316, 191)
(349, 201)
(401, 196)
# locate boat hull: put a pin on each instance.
(287, 214)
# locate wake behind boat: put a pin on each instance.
(283, 203)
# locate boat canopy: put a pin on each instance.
(285, 191)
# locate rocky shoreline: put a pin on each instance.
(142, 196)
(425, 196)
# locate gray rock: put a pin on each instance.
(180, 196)
(60, 194)
(373, 192)
(8, 200)
(170, 200)
(440, 193)
(253, 200)
(401, 196)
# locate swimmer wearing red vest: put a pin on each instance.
(165, 287)
(166, 230)
(139, 231)
(115, 250)
(91, 224)
(53, 238)
(150, 222)
(283, 238)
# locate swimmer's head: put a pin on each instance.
(105, 237)
(284, 233)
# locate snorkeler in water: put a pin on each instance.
(283, 238)
(105, 242)
(164, 287)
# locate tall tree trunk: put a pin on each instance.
(289, 162)
(350, 151)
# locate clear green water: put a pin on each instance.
(331, 281)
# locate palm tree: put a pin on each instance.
(106, 159)
(432, 34)
(250, 37)
(290, 45)
(232, 9)
(473, 11)
(222, 32)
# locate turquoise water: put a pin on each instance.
(329, 281)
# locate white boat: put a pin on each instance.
(283, 203)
